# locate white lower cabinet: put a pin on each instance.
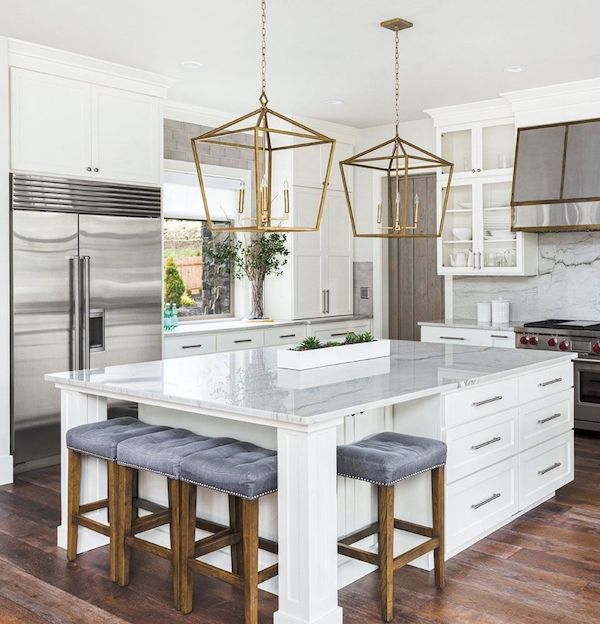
(234, 341)
(480, 502)
(468, 336)
(545, 468)
(181, 346)
(284, 335)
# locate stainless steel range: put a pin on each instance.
(583, 338)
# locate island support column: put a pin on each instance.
(307, 507)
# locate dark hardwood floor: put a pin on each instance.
(543, 568)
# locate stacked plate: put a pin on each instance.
(496, 224)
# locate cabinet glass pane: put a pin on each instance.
(457, 148)
(498, 146)
(581, 167)
(499, 243)
(457, 235)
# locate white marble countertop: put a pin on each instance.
(472, 324)
(226, 325)
(249, 384)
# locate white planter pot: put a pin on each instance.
(330, 356)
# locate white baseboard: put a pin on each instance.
(6, 469)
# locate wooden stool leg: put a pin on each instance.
(74, 493)
(437, 494)
(250, 550)
(235, 522)
(175, 535)
(385, 498)
(125, 522)
(188, 544)
(113, 519)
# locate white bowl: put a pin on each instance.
(462, 234)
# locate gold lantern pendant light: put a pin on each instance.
(398, 158)
(267, 137)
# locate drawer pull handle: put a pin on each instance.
(493, 497)
(543, 384)
(339, 334)
(196, 346)
(486, 401)
(476, 447)
(499, 336)
(553, 467)
(452, 338)
(543, 421)
(288, 336)
(244, 340)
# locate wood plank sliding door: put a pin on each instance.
(416, 292)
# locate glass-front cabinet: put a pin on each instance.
(476, 237)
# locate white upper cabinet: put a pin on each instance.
(50, 124)
(72, 128)
(310, 166)
(126, 128)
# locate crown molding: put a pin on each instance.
(32, 56)
(485, 110)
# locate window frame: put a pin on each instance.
(239, 289)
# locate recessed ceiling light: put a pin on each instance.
(515, 69)
(334, 101)
(191, 64)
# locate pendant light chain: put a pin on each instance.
(397, 84)
(263, 62)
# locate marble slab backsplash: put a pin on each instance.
(363, 288)
(568, 284)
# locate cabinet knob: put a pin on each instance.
(472, 170)
(88, 168)
(95, 169)
(478, 170)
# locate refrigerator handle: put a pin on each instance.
(85, 311)
(74, 263)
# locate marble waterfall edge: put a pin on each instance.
(331, 356)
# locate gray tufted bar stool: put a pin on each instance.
(99, 440)
(161, 453)
(245, 472)
(385, 459)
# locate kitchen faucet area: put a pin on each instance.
(294, 329)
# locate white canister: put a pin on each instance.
(484, 312)
(500, 311)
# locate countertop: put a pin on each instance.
(226, 325)
(473, 324)
(249, 384)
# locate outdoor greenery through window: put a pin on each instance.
(194, 282)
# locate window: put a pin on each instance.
(199, 287)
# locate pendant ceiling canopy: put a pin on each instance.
(398, 216)
(266, 138)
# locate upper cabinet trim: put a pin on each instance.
(47, 60)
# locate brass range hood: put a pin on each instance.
(556, 185)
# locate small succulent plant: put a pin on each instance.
(312, 342)
(353, 338)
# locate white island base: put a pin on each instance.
(506, 416)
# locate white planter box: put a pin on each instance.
(330, 356)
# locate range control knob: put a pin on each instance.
(596, 348)
(524, 340)
(533, 340)
(552, 342)
(564, 345)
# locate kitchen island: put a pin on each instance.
(506, 416)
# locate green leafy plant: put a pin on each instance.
(187, 300)
(174, 286)
(312, 342)
(352, 338)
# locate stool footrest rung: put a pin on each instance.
(213, 572)
(410, 555)
(418, 529)
(268, 573)
(146, 505)
(358, 553)
(93, 506)
(150, 547)
(352, 538)
(217, 541)
(151, 521)
(93, 525)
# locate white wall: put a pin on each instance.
(6, 466)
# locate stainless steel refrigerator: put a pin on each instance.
(86, 293)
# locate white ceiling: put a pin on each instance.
(323, 49)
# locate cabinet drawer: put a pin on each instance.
(503, 339)
(543, 383)
(478, 401)
(456, 335)
(234, 341)
(545, 419)
(479, 444)
(477, 503)
(337, 332)
(180, 346)
(545, 468)
(284, 335)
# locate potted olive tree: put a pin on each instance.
(254, 259)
